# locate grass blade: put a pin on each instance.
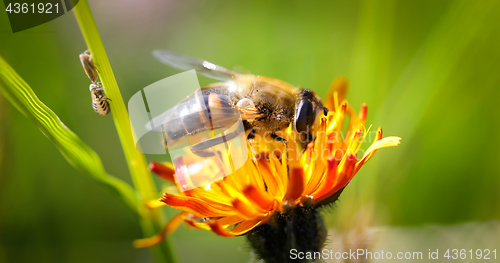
(78, 154)
(151, 220)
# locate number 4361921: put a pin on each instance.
(33, 8)
(463, 254)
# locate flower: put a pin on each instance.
(267, 189)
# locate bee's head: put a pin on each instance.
(308, 112)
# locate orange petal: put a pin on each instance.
(320, 142)
(345, 173)
(363, 112)
(230, 220)
(353, 143)
(328, 179)
(165, 171)
(292, 151)
(334, 128)
(197, 206)
(240, 202)
(240, 229)
(225, 221)
(255, 178)
(170, 227)
(247, 209)
(359, 122)
(319, 176)
(296, 183)
(320, 154)
(269, 177)
(278, 173)
(337, 119)
(262, 199)
(213, 195)
(199, 225)
(307, 155)
(229, 190)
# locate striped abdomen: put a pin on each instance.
(205, 110)
(100, 101)
(101, 106)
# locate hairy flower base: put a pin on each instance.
(300, 228)
(268, 193)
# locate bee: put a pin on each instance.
(99, 99)
(267, 106)
(88, 66)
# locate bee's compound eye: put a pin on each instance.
(304, 116)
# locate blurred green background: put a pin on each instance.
(428, 70)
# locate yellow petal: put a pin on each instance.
(339, 86)
(225, 221)
(170, 227)
(385, 142)
(153, 204)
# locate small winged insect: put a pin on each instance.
(88, 66)
(99, 99)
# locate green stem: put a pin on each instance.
(143, 182)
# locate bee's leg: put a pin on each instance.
(204, 153)
(251, 135)
(278, 138)
(202, 149)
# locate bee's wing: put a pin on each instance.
(201, 66)
(155, 123)
(198, 112)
